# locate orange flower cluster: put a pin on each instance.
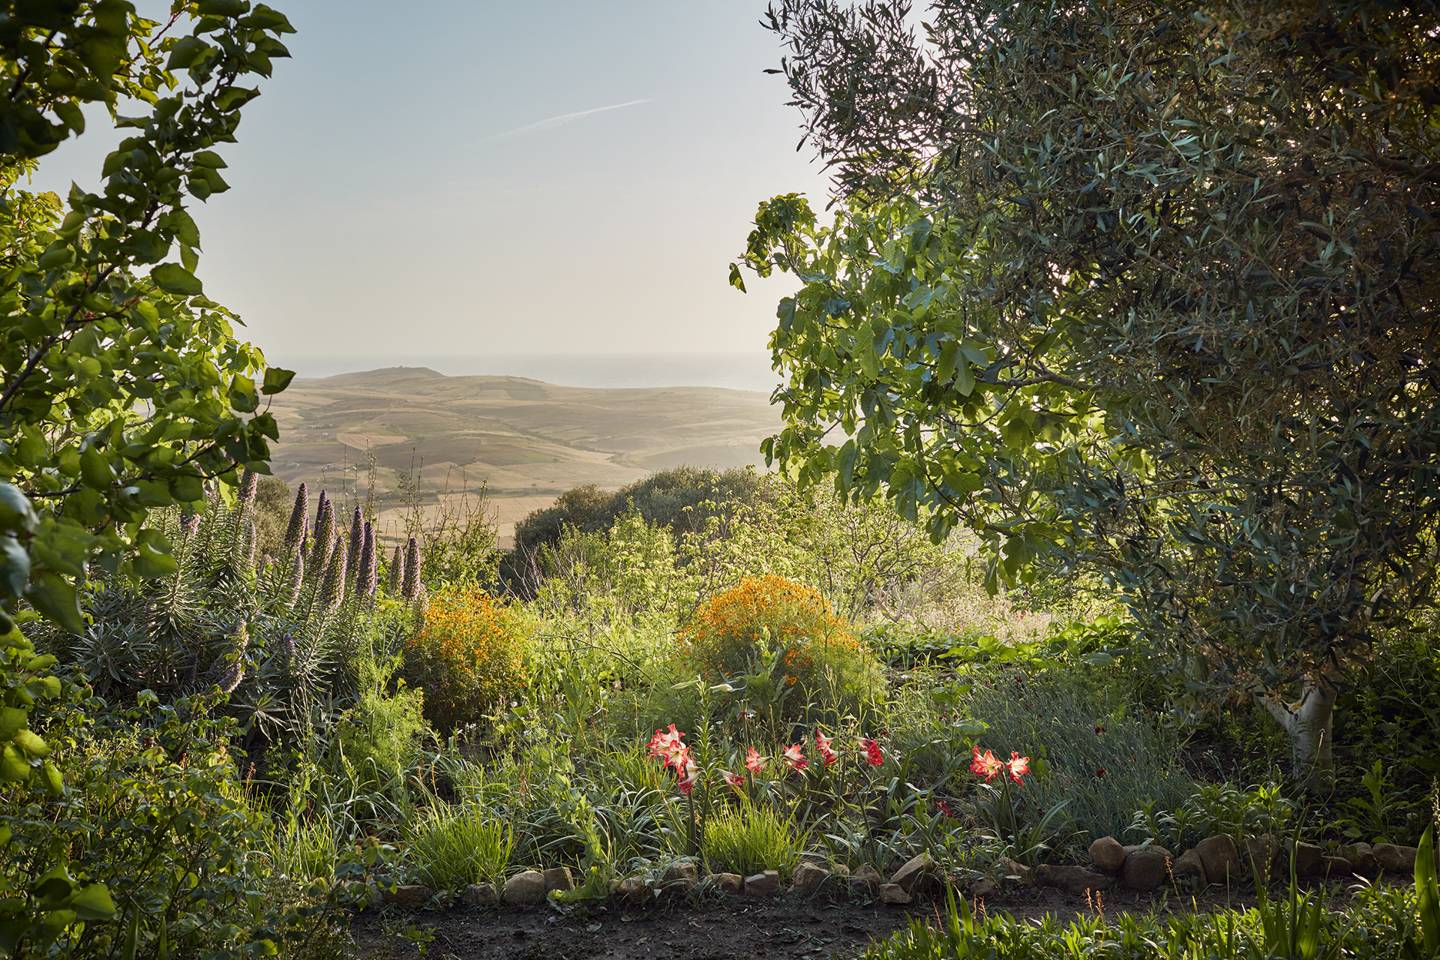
(469, 656)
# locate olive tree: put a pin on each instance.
(1147, 290)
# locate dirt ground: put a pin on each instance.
(786, 928)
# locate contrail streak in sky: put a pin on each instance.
(564, 118)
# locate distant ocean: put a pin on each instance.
(736, 371)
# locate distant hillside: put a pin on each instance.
(527, 440)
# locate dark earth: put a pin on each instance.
(786, 928)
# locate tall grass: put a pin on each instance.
(748, 839)
(450, 847)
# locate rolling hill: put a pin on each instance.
(524, 440)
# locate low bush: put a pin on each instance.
(449, 847)
(780, 644)
(749, 838)
(469, 656)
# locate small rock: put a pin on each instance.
(1394, 858)
(411, 896)
(1261, 854)
(917, 875)
(840, 870)
(1363, 861)
(1072, 879)
(480, 895)
(765, 884)
(559, 878)
(1308, 859)
(1017, 871)
(983, 888)
(894, 895)
(1337, 867)
(868, 875)
(1189, 869)
(1146, 869)
(682, 873)
(1220, 857)
(729, 882)
(809, 878)
(525, 889)
(1108, 854)
(633, 889)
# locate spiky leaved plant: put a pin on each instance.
(366, 577)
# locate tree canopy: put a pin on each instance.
(1139, 289)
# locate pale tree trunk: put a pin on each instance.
(1308, 723)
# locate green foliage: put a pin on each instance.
(747, 839)
(149, 793)
(470, 656)
(1217, 809)
(450, 847)
(1150, 361)
(124, 386)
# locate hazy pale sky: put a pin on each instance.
(453, 177)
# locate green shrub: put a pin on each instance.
(1088, 751)
(470, 656)
(449, 847)
(749, 838)
(779, 641)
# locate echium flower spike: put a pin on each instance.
(395, 576)
(368, 576)
(235, 668)
(352, 555)
(332, 588)
(299, 519)
(297, 576)
(249, 480)
(324, 536)
(410, 586)
(249, 545)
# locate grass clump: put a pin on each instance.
(450, 847)
(748, 839)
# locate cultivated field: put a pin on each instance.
(524, 440)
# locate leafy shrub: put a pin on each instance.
(1089, 752)
(450, 847)
(153, 808)
(750, 838)
(469, 656)
(1218, 808)
(781, 640)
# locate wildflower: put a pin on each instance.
(945, 808)
(753, 761)
(873, 754)
(1100, 774)
(687, 771)
(734, 780)
(669, 747)
(794, 756)
(822, 743)
(1017, 766)
(985, 765)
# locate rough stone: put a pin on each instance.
(1363, 861)
(917, 875)
(765, 884)
(1146, 869)
(1072, 879)
(682, 872)
(983, 888)
(480, 895)
(1108, 854)
(1394, 858)
(1017, 871)
(809, 878)
(1335, 867)
(867, 875)
(633, 889)
(894, 895)
(525, 889)
(410, 896)
(1189, 869)
(729, 882)
(559, 878)
(1220, 857)
(1261, 856)
(1308, 859)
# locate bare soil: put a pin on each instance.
(785, 928)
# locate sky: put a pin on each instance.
(453, 178)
